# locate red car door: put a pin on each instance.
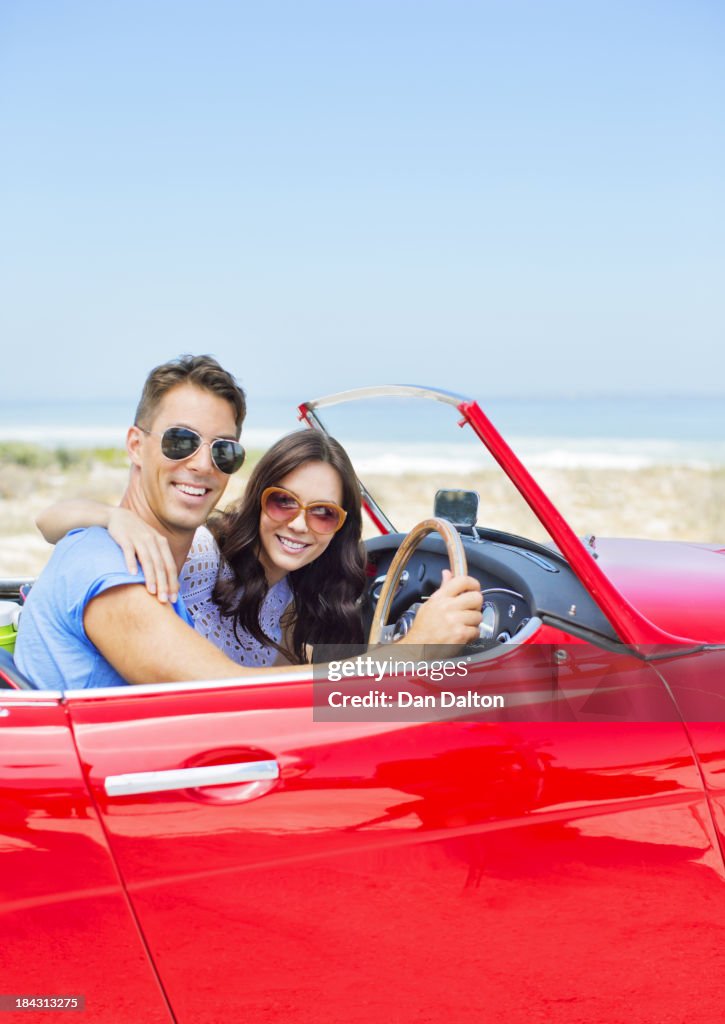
(501, 866)
(69, 938)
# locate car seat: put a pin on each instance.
(11, 678)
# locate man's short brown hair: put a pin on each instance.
(202, 371)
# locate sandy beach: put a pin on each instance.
(659, 502)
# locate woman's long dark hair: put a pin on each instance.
(325, 592)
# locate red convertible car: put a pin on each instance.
(245, 850)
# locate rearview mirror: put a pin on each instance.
(458, 507)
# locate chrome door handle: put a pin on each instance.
(191, 778)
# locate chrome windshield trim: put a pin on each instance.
(308, 413)
(388, 391)
(315, 423)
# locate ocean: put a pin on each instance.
(389, 436)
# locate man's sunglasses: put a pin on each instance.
(283, 506)
(179, 443)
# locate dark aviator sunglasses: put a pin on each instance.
(179, 443)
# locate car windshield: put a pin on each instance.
(406, 449)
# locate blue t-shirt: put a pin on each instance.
(52, 648)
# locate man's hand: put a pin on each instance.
(451, 616)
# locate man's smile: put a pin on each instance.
(193, 490)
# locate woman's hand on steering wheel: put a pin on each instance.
(451, 616)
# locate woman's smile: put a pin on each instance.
(291, 545)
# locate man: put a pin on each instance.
(87, 621)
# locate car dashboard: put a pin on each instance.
(521, 581)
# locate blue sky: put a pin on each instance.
(503, 198)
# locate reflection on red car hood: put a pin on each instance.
(679, 585)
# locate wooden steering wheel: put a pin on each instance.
(456, 559)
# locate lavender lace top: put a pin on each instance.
(196, 584)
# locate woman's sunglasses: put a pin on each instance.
(179, 443)
(283, 506)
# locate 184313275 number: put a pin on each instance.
(42, 1002)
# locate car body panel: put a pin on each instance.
(429, 858)
(66, 925)
(697, 684)
(678, 585)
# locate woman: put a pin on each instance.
(278, 572)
